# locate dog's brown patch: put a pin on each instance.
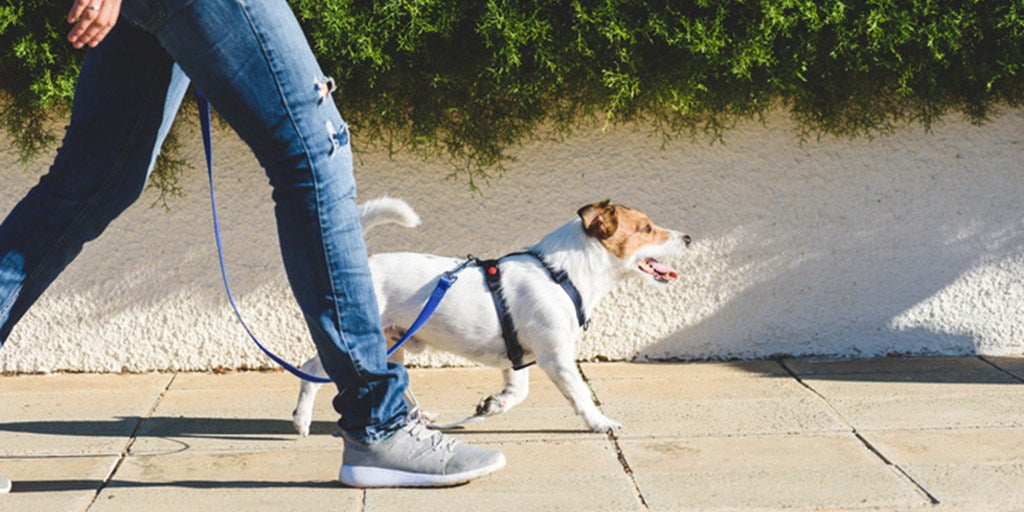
(621, 230)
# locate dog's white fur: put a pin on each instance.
(598, 250)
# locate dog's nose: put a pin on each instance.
(686, 240)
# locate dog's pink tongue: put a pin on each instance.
(663, 270)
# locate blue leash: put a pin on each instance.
(445, 281)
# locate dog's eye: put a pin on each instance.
(648, 228)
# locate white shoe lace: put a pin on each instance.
(418, 428)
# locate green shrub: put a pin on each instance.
(467, 80)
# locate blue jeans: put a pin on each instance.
(253, 63)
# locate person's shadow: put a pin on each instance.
(177, 429)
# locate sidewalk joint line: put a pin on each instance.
(614, 439)
(131, 441)
(863, 440)
(1000, 368)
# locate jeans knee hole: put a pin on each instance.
(324, 87)
(338, 137)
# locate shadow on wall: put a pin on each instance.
(909, 244)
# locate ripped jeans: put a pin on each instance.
(252, 62)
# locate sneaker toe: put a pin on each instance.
(472, 459)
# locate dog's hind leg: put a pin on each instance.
(517, 386)
(302, 416)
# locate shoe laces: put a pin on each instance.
(438, 440)
(417, 427)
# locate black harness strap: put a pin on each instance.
(508, 329)
(492, 276)
(562, 278)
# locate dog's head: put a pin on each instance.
(631, 237)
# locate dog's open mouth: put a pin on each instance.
(659, 271)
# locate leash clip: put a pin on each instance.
(450, 276)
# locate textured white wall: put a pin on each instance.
(911, 243)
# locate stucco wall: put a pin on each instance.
(910, 243)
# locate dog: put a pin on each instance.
(604, 245)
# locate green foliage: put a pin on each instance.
(38, 73)
(469, 79)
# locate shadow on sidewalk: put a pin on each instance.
(37, 486)
(252, 429)
(248, 429)
(962, 369)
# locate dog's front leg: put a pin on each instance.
(517, 386)
(566, 376)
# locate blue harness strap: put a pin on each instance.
(443, 284)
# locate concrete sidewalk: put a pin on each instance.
(884, 434)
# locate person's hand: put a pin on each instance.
(92, 21)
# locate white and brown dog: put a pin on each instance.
(606, 245)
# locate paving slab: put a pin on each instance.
(252, 411)
(687, 371)
(933, 412)
(721, 436)
(463, 388)
(299, 480)
(902, 377)
(980, 469)
(577, 475)
(83, 382)
(925, 393)
(243, 411)
(820, 471)
(671, 400)
(74, 414)
(59, 483)
(939, 369)
(453, 393)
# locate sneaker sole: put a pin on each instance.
(5, 485)
(366, 476)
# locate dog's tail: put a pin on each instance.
(387, 210)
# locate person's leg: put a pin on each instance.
(251, 60)
(127, 94)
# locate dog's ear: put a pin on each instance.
(599, 219)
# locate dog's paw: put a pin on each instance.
(301, 423)
(603, 424)
(490, 406)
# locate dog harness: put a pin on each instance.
(490, 268)
(492, 275)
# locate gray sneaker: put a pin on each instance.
(5, 484)
(415, 456)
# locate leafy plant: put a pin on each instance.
(467, 80)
